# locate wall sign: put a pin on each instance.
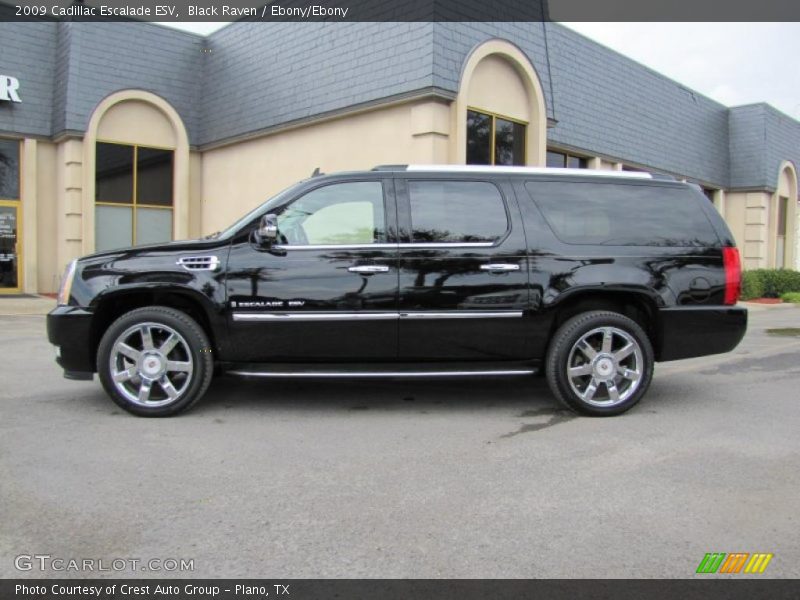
(9, 89)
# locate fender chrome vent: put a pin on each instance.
(199, 263)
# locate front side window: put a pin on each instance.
(343, 213)
(494, 140)
(133, 195)
(456, 212)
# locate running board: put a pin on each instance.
(321, 371)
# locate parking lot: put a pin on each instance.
(467, 479)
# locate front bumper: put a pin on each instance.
(69, 328)
(689, 331)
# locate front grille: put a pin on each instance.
(199, 263)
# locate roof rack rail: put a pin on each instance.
(526, 171)
(529, 171)
(390, 168)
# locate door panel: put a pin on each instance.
(311, 298)
(463, 272)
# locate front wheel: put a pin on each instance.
(599, 363)
(155, 361)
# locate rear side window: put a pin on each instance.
(456, 212)
(623, 215)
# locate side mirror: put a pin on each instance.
(268, 229)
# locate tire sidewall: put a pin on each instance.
(199, 348)
(563, 341)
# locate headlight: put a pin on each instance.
(66, 283)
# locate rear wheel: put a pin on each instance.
(155, 361)
(600, 363)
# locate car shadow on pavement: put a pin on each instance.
(418, 395)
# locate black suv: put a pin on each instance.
(416, 271)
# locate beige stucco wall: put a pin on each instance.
(747, 215)
(238, 177)
(496, 86)
(48, 270)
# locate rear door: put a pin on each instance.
(462, 269)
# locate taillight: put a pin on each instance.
(733, 275)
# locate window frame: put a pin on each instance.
(493, 116)
(16, 203)
(407, 228)
(567, 155)
(134, 205)
(389, 215)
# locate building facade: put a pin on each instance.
(114, 134)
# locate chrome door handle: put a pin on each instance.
(368, 269)
(499, 267)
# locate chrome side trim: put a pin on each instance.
(314, 316)
(374, 316)
(463, 314)
(386, 246)
(337, 247)
(446, 245)
(371, 374)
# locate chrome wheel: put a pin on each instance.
(151, 364)
(605, 366)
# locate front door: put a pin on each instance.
(327, 289)
(463, 271)
(10, 245)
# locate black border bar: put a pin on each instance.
(401, 10)
(706, 587)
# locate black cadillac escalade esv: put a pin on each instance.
(416, 271)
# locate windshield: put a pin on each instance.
(260, 209)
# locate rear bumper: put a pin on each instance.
(69, 329)
(686, 332)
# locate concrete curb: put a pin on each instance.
(11, 306)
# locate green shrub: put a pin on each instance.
(793, 297)
(769, 283)
(752, 285)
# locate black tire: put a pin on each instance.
(619, 373)
(186, 367)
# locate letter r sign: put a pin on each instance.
(9, 89)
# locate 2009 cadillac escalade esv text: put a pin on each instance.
(417, 271)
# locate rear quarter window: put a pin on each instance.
(618, 214)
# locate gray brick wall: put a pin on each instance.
(613, 105)
(264, 74)
(747, 142)
(761, 138)
(783, 143)
(28, 53)
(108, 57)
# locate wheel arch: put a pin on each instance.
(638, 305)
(110, 306)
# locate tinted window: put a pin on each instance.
(343, 213)
(479, 133)
(114, 174)
(623, 215)
(9, 169)
(154, 176)
(509, 143)
(456, 211)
